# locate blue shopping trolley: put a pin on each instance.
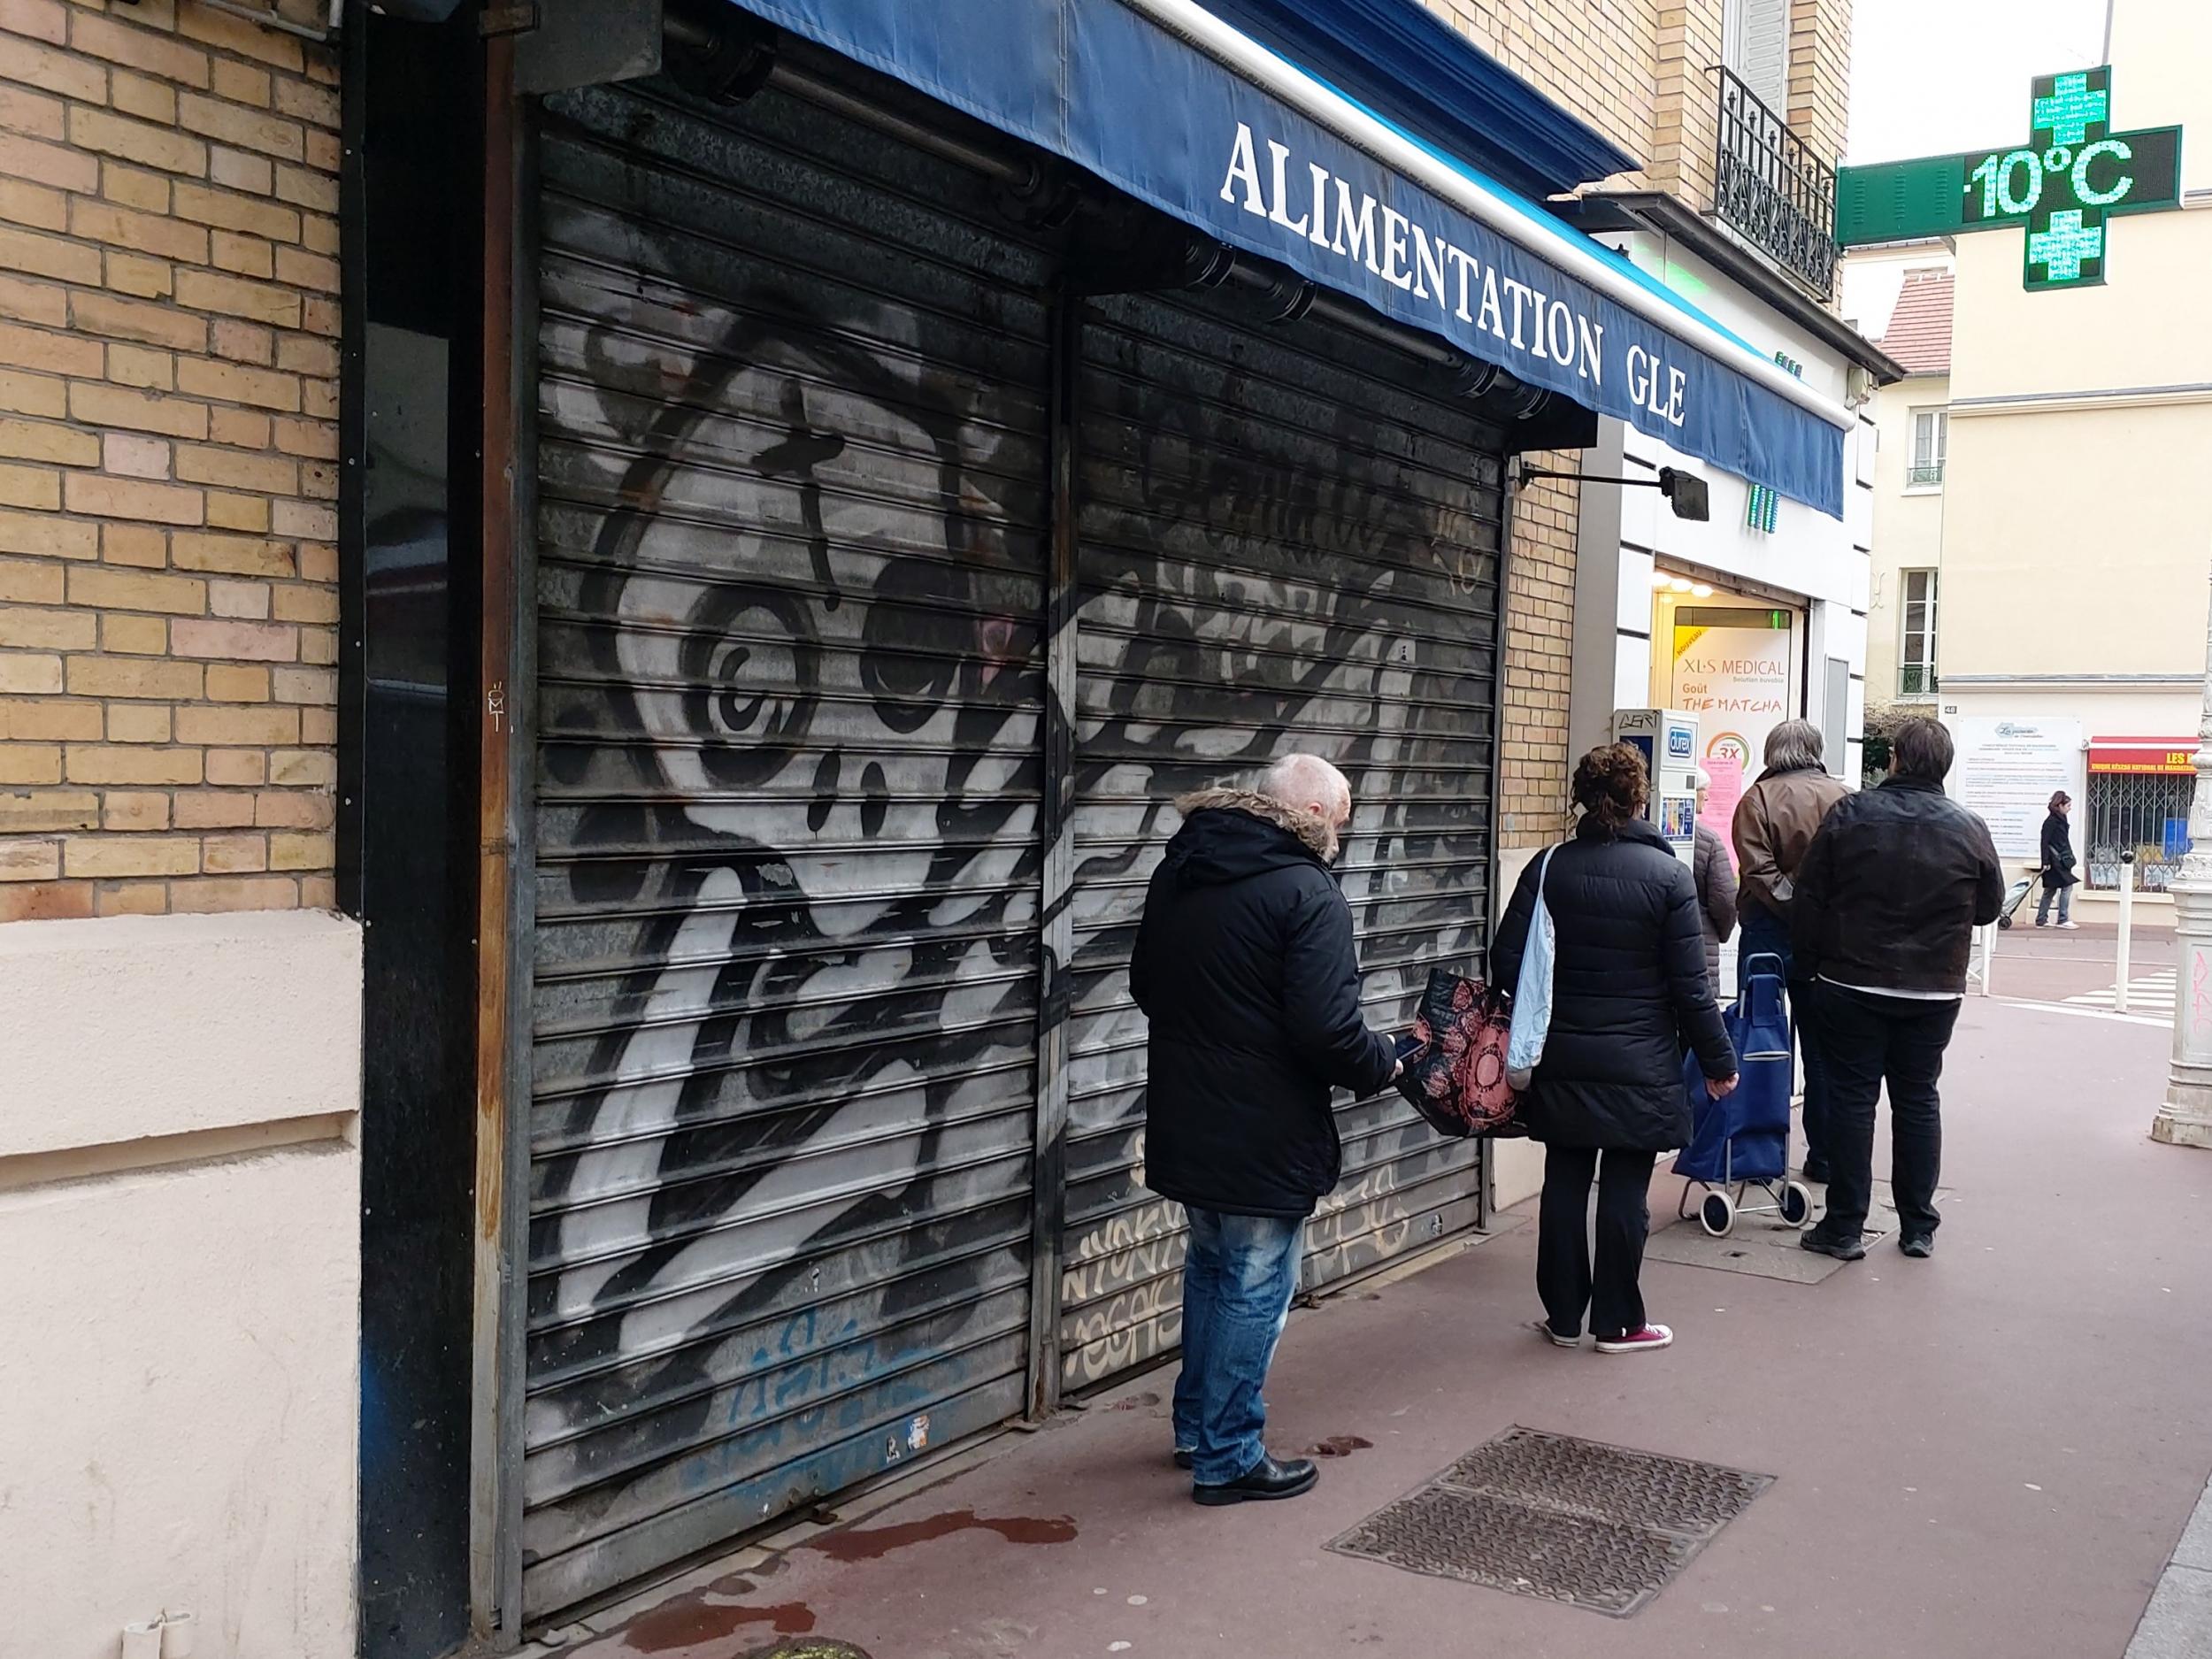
(1742, 1141)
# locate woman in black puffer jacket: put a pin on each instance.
(1629, 996)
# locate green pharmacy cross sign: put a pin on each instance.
(2065, 184)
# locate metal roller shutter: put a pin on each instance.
(1278, 549)
(792, 485)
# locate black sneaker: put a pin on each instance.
(1183, 1459)
(1266, 1481)
(1826, 1244)
(1919, 1245)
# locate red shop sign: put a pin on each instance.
(2154, 756)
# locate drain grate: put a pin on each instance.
(1570, 1520)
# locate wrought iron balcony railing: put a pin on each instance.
(1916, 680)
(1923, 477)
(1771, 187)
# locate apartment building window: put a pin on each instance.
(1931, 433)
(1769, 185)
(1916, 652)
(1755, 44)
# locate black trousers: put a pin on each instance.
(1611, 1296)
(1868, 1041)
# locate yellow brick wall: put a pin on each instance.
(1688, 126)
(1539, 658)
(168, 454)
(1820, 75)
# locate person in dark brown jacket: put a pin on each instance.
(1775, 823)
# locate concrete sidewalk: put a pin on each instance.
(1992, 1454)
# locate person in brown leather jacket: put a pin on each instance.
(1775, 823)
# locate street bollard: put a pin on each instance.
(1989, 956)
(2127, 923)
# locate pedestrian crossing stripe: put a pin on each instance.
(2153, 991)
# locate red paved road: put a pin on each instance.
(1989, 1455)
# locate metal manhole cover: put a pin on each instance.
(1569, 1520)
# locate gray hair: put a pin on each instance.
(1301, 781)
(1796, 746)
(1701, 779)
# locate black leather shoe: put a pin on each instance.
(1917, 1245)
(1824, 1244)
(1183, 1459)
(1266, 1481)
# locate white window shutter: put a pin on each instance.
(1756, 43)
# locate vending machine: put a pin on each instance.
(1668, 740)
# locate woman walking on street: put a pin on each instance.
(1629, 993)
(1775, 823)
(2058, 864)
(1715, 874)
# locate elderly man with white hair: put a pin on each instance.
(1245, 966)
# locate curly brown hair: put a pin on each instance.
(1611, 785)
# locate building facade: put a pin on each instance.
(2066, 593)
(594, 636)
(180, 1191)
(1911, 290)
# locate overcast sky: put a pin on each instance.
(1932, 76)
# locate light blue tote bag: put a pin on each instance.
(1532, 995)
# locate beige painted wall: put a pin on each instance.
(2163, 47)
(2077, 542)
(179, 1215)
(2144, 326)
(1908, 526)
(2078, 513)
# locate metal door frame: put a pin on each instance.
(507, 848)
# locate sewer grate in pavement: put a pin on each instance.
(1605, 1483)
(1569, 1520)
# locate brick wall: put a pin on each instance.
(1539, 659)
(168, 448)
(1820, 74)
(1687, 125)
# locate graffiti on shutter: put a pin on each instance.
(792, 487)
(1277, 551)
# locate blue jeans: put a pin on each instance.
(1765, 933)
(2065, 897)
(1238, 1280)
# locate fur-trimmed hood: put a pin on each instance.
(1228, 834)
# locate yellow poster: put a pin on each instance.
(1731, 668)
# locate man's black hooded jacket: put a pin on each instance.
(1244, 965)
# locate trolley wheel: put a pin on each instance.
(1716, 1214)
(1797, 1203)
(2004, 921)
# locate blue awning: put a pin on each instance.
(1399, 58)
(1171, 104)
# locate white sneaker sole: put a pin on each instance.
(1553, 1337)
(1665, 1339)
